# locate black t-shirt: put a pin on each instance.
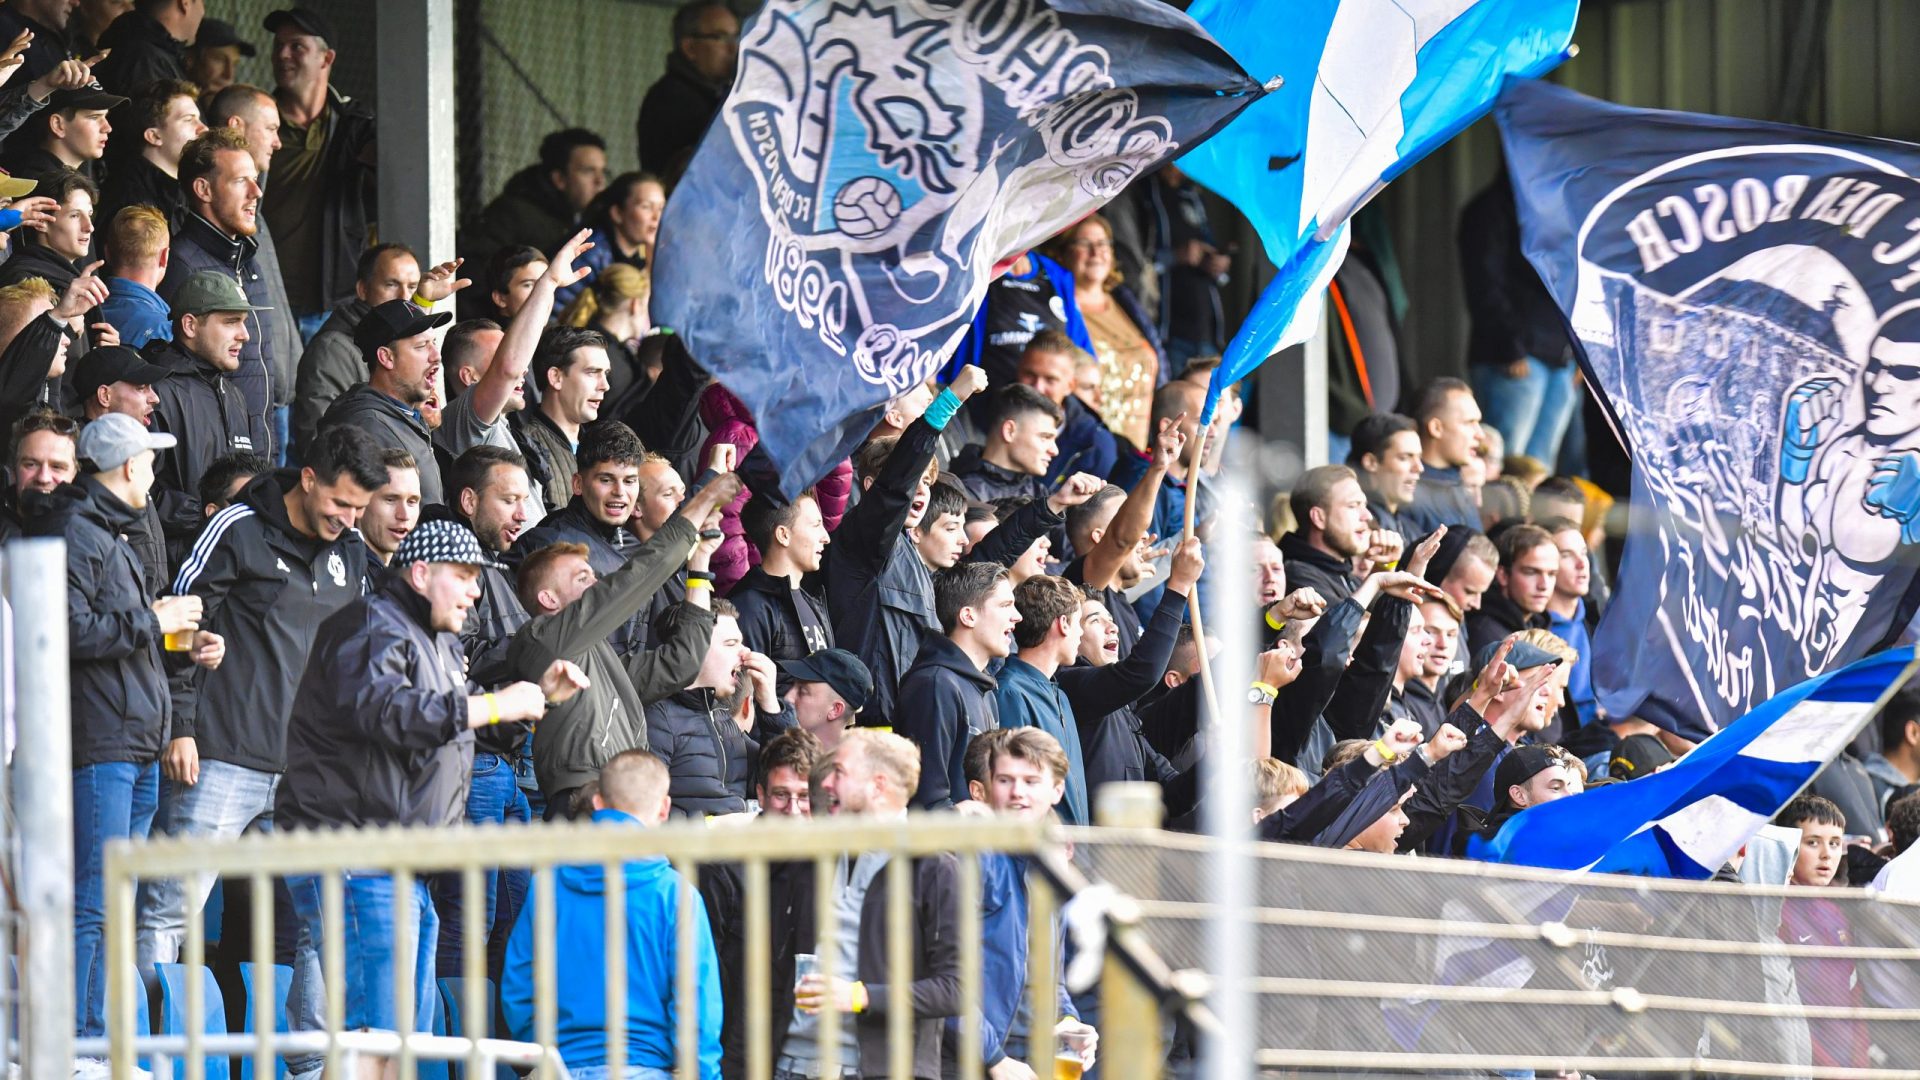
(811, 627)
(1017, 309)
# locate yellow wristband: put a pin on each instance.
(698, 583)
(859, 997)
(1273, 623)
(1384, 750)
(1266, 688)
(493, 709)
(421, 301)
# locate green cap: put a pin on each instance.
(210, 290)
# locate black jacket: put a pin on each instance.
(709, 756)
(198, 246)
(49, 48)
(944, 702)
(118, 686)
(266, 589)
(674, 115)
(1513, 313)
(529, 211)
(24, 364)
(1497, 617)
(770, 616)
(200, 406)
(329, 366)
(549, 454)
(38, 261)
(1309, 567)
(143, 54)
(935, 948)
(988, 482)
(135, 181)
(1111, 741)
(878, 588)
(391, 424)
(379, 731)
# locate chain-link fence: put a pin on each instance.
(1371, 965)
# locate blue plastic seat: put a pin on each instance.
(282, 983)
(214, 913)
(173, 1013)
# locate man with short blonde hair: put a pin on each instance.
(138, 249)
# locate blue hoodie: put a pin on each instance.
(579, 942)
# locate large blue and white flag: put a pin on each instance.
(1746, 300)
(1368, 88)
(876, 159)
(1689, 820)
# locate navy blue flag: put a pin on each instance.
(877, 159)
(1743, 296)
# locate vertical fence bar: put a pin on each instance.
(333, 962)
(759, 960)
(1043, 973)
(970, 942)
(615, 874)
(261, 947)
(36, 584)
(195, 963)
(122, 979)
(406, 968)
(1229, 797)
(475, 1010)
(900, 966)
(686, 986)
(545, 1005)
(826, 949)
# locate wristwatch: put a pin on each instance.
(1261, 694)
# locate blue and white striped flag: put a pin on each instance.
(1689, 820)
(1368, 88)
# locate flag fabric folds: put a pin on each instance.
(844, 213)
(1742, 296)
(1368, 88)
(1689, 820)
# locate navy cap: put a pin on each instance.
(839, 669)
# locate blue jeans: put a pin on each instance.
(1531, 413)
(281, 417)
(493, 798)
(113, 800)
(228, 800)
(367, 930)
(631, 1072)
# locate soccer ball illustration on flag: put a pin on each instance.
(866, 206)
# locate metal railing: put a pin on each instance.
(409, 854)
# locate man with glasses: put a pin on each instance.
(677, 108)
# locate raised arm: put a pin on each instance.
(1130, 523)
(515, 354)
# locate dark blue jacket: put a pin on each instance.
(1003, 957)
(944, 702)
(1440, 499)
(989, 482)
(1026, 698)
(651, 940)
(197, 246)
(1103, 697)
(1086, 446)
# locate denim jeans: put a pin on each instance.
(228, 801)
(281, 417)
(367, 938)
(1532, 412)
(113, 800)
(631, 1072)
(493, 798)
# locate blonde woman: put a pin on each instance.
(616, 305)
(1132, 364)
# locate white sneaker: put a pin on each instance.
(95, 1069)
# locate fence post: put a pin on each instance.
(36, 586)
(1129, 1016)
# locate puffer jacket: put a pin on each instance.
(706, 751)
(379, 731)
(329, 366)
(728, 421)
(198, 245)
(266, 589)
(391, 424)
(578, 736)
(118, 687)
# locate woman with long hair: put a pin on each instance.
(626, 224)
(1132, 365)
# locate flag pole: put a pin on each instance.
(1207, 688)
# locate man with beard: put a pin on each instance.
(220, 185)
(396, 339)
(570, 367)
(1386, 459)
(1332, 528)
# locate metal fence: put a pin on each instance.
(410, 854)
(1375, 965)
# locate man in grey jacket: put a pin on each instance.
(575, 611)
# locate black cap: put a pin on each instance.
(1452, 546)
(392, 321)
(1638, 756)
(839, 669)
(305, 20)
(215, 33)
(90, 96)
(1520, 765)
(111, 364)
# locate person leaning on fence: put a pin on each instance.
(632, 793)
(382, 734)
(871, 774)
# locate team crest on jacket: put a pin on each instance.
(1754, 314)
(877, 129)
(337, 569)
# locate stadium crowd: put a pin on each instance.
(331, 558)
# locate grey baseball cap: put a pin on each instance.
(115, 439)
